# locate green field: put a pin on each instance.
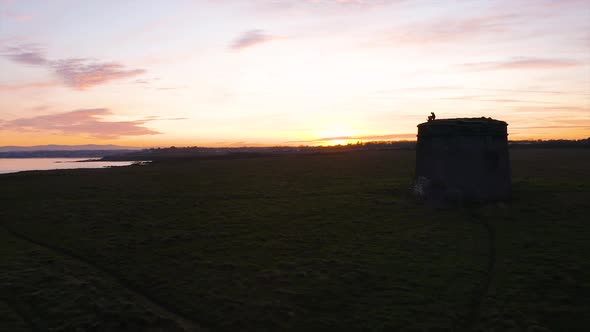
(329, 242)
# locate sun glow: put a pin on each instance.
(337, 134)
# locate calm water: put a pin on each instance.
(10, 165)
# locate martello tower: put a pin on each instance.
(463, 159)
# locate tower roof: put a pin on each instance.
(463, 127)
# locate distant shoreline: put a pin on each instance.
(18, 165)
(172, 152)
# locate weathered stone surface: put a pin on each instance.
(463, 159)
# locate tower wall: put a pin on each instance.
(464, 159)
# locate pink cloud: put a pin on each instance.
(30, 54)
(444, 88)
(81, 122)
(250, 38)
(23, 17)
(8, 12)
(551, 5)
(18, 17)
(82, 73)
(308, 5)
(523, 63)
(450, 30)
(78, 74)
(365, 3)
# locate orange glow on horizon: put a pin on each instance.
(324, 138)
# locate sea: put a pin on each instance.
(13, 165)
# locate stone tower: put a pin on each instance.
(463, 159)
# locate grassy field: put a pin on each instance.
(328, 242)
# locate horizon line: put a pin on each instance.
(255, 145)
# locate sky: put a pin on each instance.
(286, 72)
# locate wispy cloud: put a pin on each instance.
(574, 118)
(77, 73)
(451, 29)
(22, 17)
(561, 110)
(141, 81)
(81, 122)
(554, 127)
(362, 3)
(157, 118)
(17, 16)
(250, 38)
(522, 63)
(30, 54)
(446, 88)
(83, 73)
(314, 5)
(493, 100)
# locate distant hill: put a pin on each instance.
(54, 147)
(554, 143)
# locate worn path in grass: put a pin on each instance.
(165, 319)
(479, 295)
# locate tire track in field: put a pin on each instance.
(479, 294)
(141, 297)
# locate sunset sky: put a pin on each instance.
(272, 72)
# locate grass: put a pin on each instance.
(311, 242)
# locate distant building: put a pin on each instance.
(463, 159)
